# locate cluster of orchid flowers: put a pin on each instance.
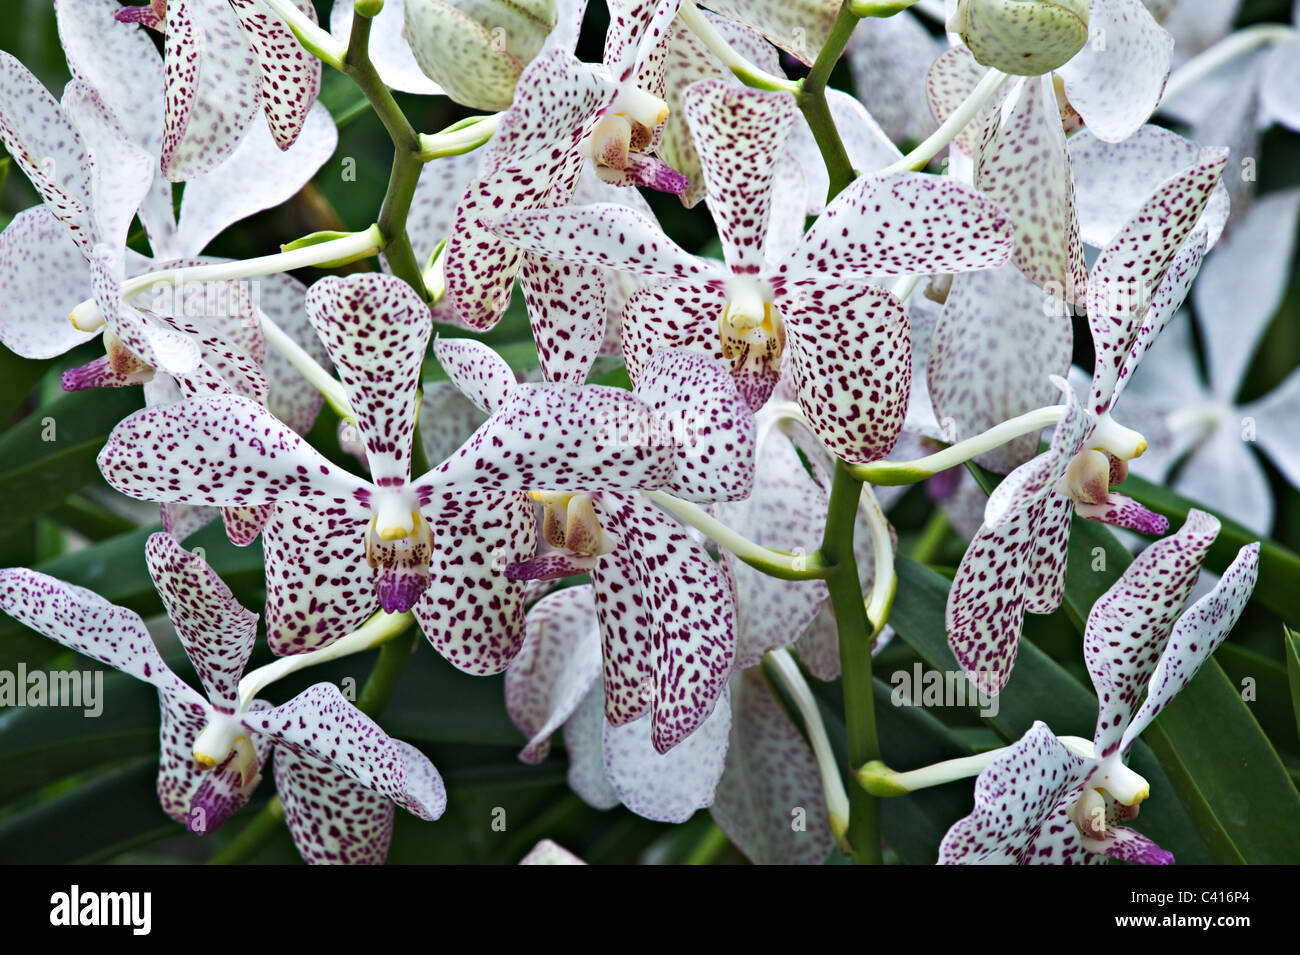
(807, 367)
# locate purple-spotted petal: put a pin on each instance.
(183, 717)
(674, 315)
(318, 584)
(557, 666)
(1130, 623)
(691, 614)
(709, 430)
(532, 162)
(472, 611)
(770, 781)
(212, 87)
(376, 329)
(290, 75)
(1196, 635)
(1025, 169)
(1015, 796)
(849, 345)
(903, 224)
(739, 133)
(1167, 300)
(47, 147)
(333, 819)
(1116, 81)
(1127, 274)
(81, 620)
(566, 309)
(216, 632)
(320, 723)
(578, 438)
(477, 371)
(222, 450)
(986, 605)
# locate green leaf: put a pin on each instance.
(1270, 696)
(18, 376)
(1279, 568)
(1292, 641)
(51, 454)
(91, 823)
(41, 745)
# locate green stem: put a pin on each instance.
(817, 111)
(855, 630)
(932, 537)
(388, 669)
(253, 836)
(855, 634)
(407, 164)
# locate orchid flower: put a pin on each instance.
(1240, 289)
(1016, 563)
(101, 143)
(339, 546)
(815, 301)
(666, 612)
(565, 113)
(225, 58)
(338, 774)
(1049, 800)
(747, 761)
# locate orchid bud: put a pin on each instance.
(476, 49)
(1022, 37)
